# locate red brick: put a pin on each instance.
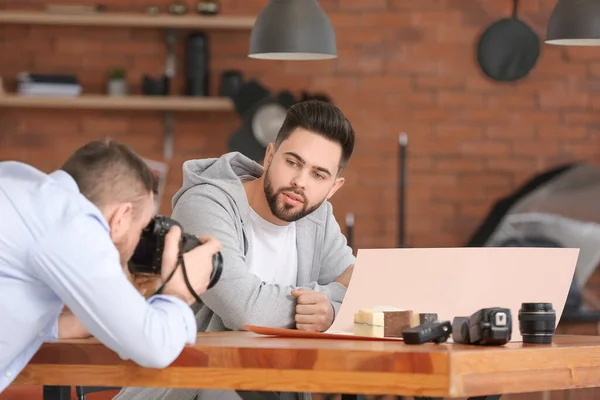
(512, 164)
(432, 114)
(581, 117)
(512, 101)
(414, 99)
(435, 17)
(513, 132)
(439, 82)
(525, 116)
(485, 147)
(460, 99)
(381, 19)
(552, 132)
(486, 115)
(581, 53)
(351, 37)
(361, 5)
(451, 33)
(464, 132)
(554, 100)
(349, 62)
(459, 164)
(478, 210)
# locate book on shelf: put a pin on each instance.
(48, 85)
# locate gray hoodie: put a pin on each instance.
(212, 201)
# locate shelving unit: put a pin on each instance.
(100, 102)
(168, 104)
(129, 20)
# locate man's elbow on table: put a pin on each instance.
(157, 357)
(265, 318)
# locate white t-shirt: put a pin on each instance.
(273, 254)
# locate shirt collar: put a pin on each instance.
(64, 179)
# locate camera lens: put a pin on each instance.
(537, 322)
(217, 269)
(461, 330)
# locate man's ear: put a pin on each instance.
(120, 220)
(269, 153)
(339, 182)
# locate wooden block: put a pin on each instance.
(420, 318)
(382, 322)
(394, 322)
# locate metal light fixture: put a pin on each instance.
(292, 30)
(574, 23)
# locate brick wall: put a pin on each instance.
(404, 65)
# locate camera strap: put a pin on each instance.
(180, 261)
(187, 281)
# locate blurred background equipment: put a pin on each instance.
(402, 147)
(262, 114)
(350, 231)
(197, 62)
(208, 7)
(556, 208)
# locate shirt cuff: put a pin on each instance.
(186, 311)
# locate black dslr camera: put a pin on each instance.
(147, 257)
(487, 326)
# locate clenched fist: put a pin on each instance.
(314, 311)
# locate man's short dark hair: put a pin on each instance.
(107, 171)
(324, 119)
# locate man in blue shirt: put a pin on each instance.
(64, 239)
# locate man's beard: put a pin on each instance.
(285, 211)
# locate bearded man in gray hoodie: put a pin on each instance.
(286, 262)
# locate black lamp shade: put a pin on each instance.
(292, 30)
(574, 23)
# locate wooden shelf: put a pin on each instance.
(100, 102)
(130, 20)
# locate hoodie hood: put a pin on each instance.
(224, 172)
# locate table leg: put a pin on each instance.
(57, 393)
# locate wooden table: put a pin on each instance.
(245, 361)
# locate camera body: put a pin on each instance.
(488, 326)
(147, 257)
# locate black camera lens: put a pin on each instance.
(537, 322)
(217, 269)
(461, 330)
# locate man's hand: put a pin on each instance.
(198, 263)
(69, 327)
(344, 278)
(314, 311)
(146, 285)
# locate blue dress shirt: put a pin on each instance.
(55, 249)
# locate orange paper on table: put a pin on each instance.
(451, 282)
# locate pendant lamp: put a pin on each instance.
(292, 30)
(574, 23)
